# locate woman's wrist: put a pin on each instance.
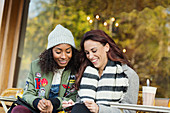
(97, 108)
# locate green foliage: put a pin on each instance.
(143, 30)
(146, 34)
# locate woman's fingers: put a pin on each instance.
(50, 106)
(42, 109)
(42, 105)
(71, 102)
(65, 104)
(92, 106)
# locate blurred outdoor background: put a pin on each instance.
(141, 28)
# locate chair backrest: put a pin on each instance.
(162, 102)
(11, 92)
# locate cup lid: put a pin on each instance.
(149, 89)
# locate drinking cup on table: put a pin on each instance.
(148, 94)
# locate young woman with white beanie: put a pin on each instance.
(51, 78)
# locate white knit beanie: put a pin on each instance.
(60, 35)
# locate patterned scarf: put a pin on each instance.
(110, 87)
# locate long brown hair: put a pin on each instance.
(114, 53)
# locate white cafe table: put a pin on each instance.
(118, 105)
(145, 108)
(7, 99)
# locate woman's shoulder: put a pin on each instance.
(129, 71)
(36, 61)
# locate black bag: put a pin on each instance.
(22, 102)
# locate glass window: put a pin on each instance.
(140, 29)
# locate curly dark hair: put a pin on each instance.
(48, 64)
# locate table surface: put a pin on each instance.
(142, 107)
(119, 105)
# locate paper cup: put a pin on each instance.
(148, 94)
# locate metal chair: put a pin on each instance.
(10, 93)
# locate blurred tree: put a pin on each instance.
(40, 24)
(143, 30)
(162, 77)
(145, 34)
(109, 8)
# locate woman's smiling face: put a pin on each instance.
(96, 53)
(62, 54)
